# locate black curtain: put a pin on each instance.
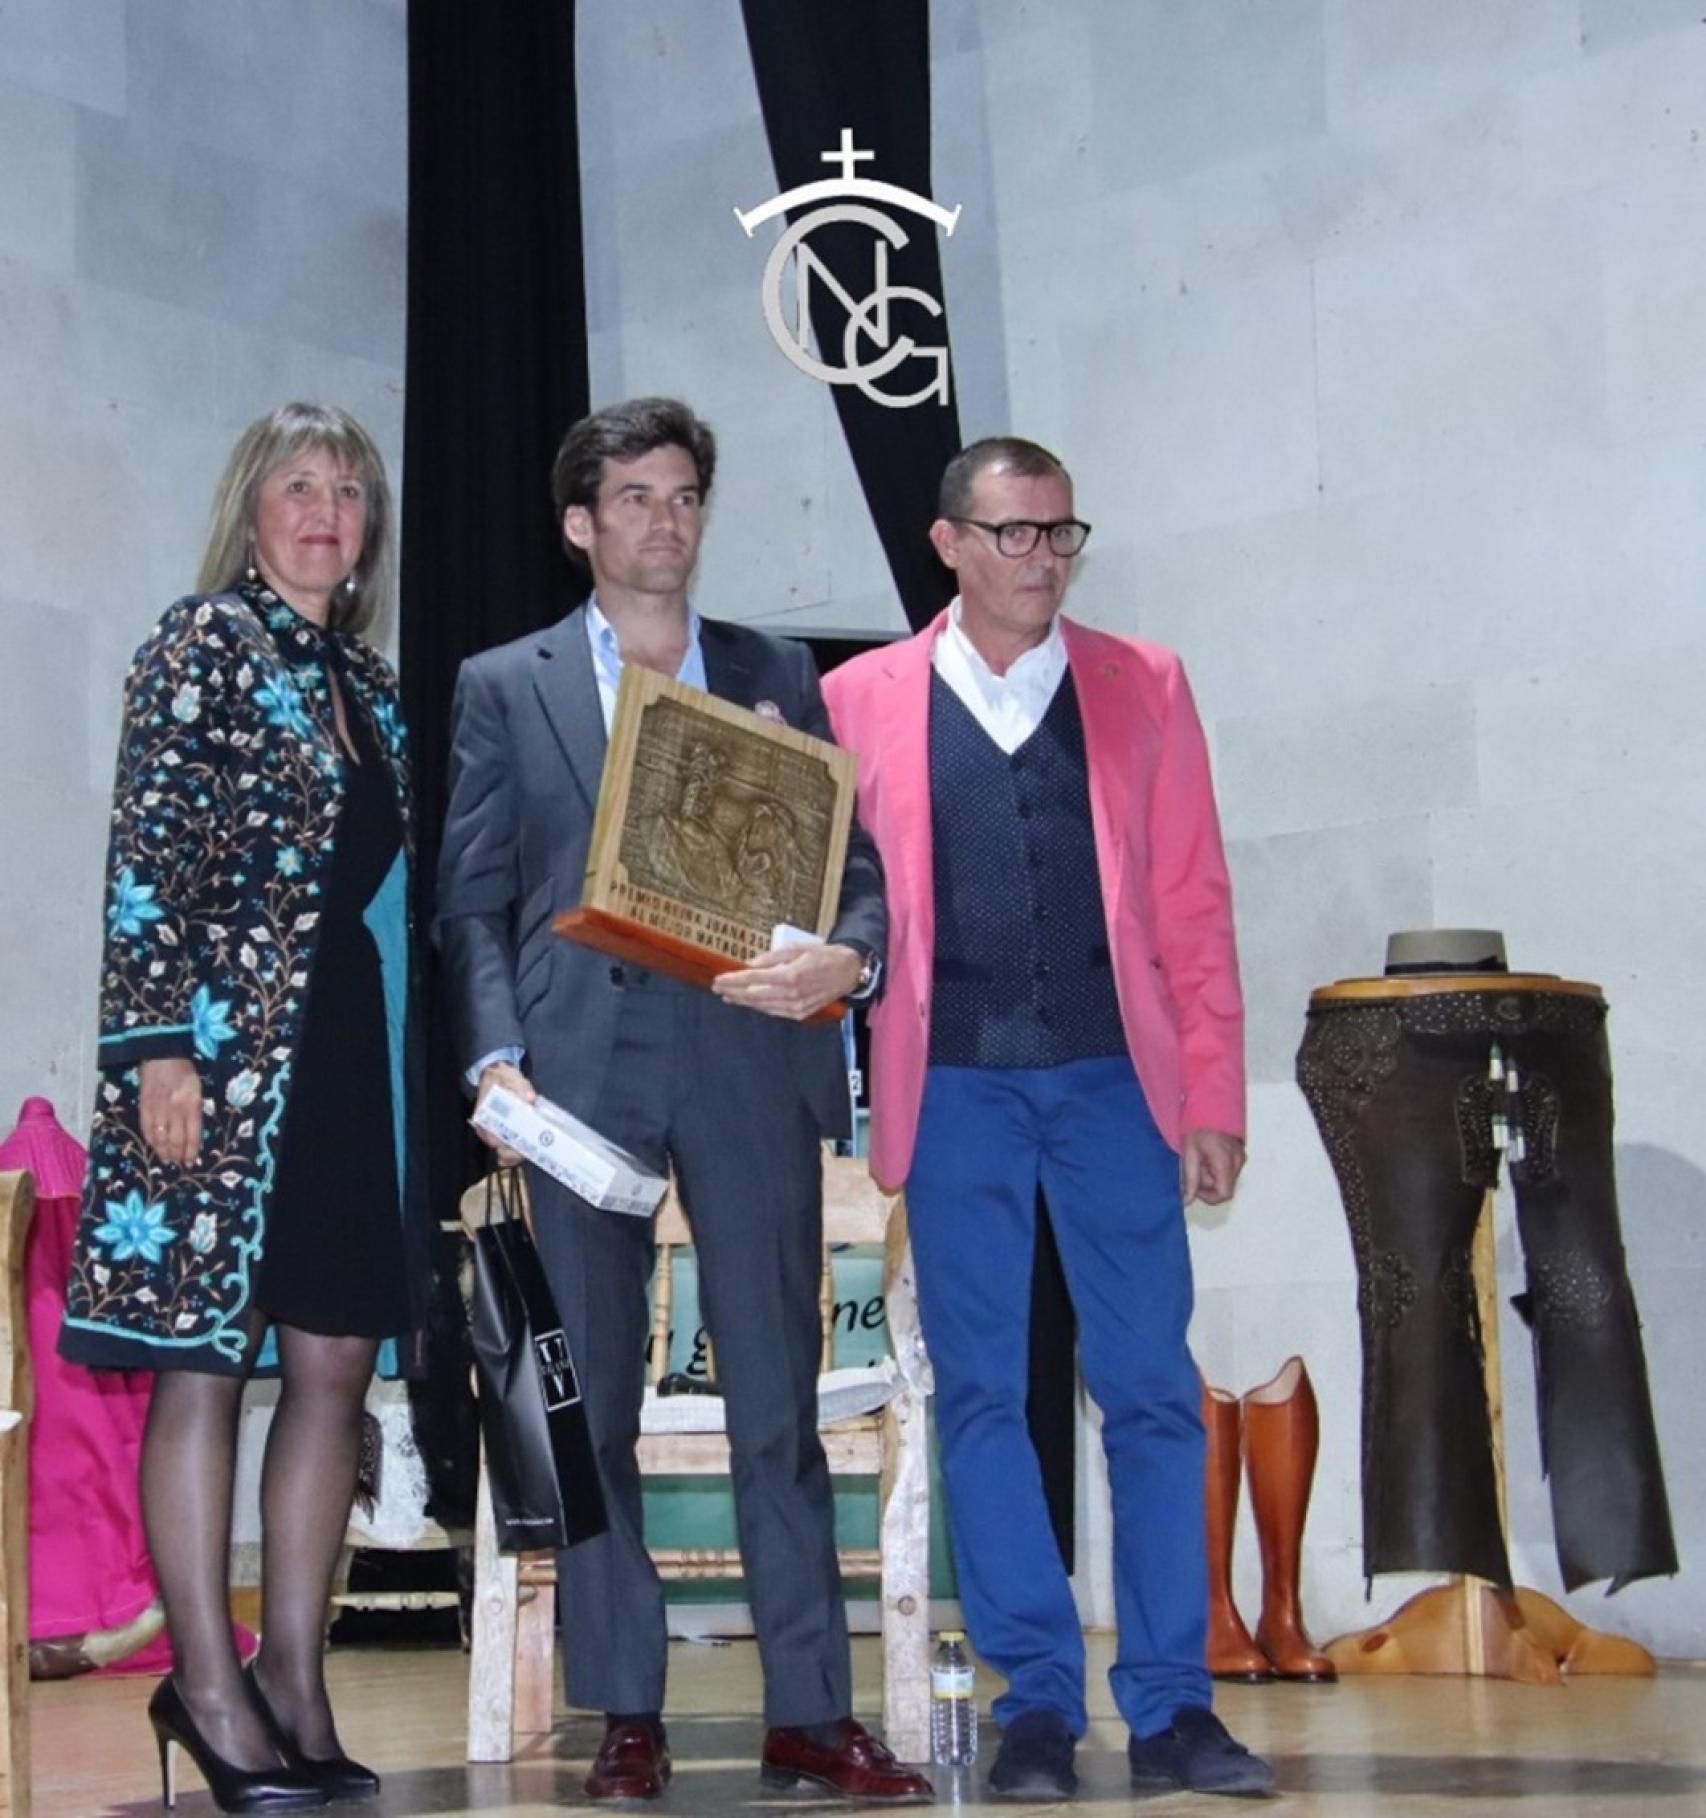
(496, 371)
(821, 68)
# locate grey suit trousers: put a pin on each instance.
(748, 1163)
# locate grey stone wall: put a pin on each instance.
(201, 216)
(1372, 335)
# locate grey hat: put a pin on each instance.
(1445, 950)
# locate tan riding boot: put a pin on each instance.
(1231, 1652)
(1281, 1436)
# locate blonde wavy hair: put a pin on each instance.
(281, 436)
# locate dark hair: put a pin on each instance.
(624, 432)
(1012, 454)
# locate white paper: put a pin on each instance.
(785, 934)
(841, 1395)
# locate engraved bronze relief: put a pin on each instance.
(727, 820)
(714, 825)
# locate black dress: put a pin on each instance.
(334, 1260)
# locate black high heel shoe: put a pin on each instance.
(234, 1789)
(337, 1776)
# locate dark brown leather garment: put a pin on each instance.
(1402, 1093)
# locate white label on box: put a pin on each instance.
(570, 1152)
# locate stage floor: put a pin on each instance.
(1414, 1747)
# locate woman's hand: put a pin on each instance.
(171, 1109)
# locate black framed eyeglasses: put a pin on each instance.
(1017, 537)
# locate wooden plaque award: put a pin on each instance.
(714, 826)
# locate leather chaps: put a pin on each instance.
(1415, 1109)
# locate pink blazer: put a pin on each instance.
(1165, 891)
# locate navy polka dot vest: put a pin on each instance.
(1023, 975)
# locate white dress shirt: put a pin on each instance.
(1008, 707)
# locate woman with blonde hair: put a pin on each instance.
(250, 1176)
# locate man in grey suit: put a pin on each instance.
(732, 1089)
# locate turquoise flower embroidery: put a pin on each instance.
(289, 861)
(210, 1024)
(132, 906)
(283, 701)
(390, 726)
(135, 1229)
(204, 1233)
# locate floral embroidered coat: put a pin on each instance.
(225, 807)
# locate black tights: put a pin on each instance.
(189, 1457)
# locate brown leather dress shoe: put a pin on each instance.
(856, 1765)
(632, 1763)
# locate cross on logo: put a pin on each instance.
(846, 157)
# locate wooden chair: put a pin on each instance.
(17, 1207)
(511, 1671)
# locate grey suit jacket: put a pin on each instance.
(527, 753)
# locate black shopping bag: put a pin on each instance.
(539, 1457)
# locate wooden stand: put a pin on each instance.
(1466, 1625)
(643, 946)
(17, 1206)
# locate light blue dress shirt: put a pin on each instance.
(607, 658)
(607, 671)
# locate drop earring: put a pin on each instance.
(250, 570)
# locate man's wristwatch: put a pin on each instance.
(870, 974)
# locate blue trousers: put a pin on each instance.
(987, 1138)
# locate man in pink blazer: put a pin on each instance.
(1061, 1008)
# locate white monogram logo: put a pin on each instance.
(867, 317)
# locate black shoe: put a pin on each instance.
(336, 1775)
(1195, 1753)
(1035, 1758)
(234, 1789)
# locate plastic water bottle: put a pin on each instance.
(953, 1703)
